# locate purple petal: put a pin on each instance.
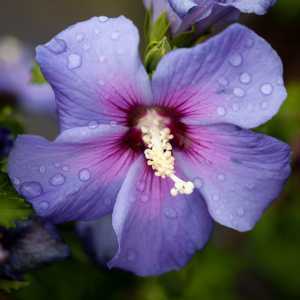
(76, 177)
(193, 11)
(99, 238)
(258, 7)
(156, 232)
(235, 77)
(238, 172)
(95, 70)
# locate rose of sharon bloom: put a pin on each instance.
(164, 156)
(15, 76)
(206, 13)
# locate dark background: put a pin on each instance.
(261, 264)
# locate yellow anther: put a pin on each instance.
(157, 137)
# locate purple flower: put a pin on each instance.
(15, 75)
(30, 245)
(206, 13)
(6, 141)
(165, 157)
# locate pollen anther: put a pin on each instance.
(157, 137)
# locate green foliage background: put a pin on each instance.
(261, 264)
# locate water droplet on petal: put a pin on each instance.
(266, 89)
(144, 198)
(42, 169)
(16, 181)
(264, 105)
(103, 18)
(221, 111)
(235, 107)
(74, 61)
(131, 256)
(240, 212)
(115, 35)
(223, 81)
(31, 189)
(170, 213)
(249, 43)
(102, 58)
(198, 182)
(280, 81)
(86, 47)
(84, 175)
(65, 168)
(221, 177)
(238, 92)
(57, 180)
(245, 78)
(101, 82)
(93, 124)
(57, 46)
(236, 60)
(80, 37)
(120, 51)
(44, 205)
(215, 197)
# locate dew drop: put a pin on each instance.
(80, 37)
(57, 46)
(236, 60)
(57, 180)
(131, 255)
(74, 61)
(31, 189)
(42, 169)
(101, 82)
(198, 182)
(102, 58)
(264, 105)
(221, 111)
(170, 213)
(235, 107)
(65, 168)
(16, 181)
(144, 198)
(120, 51)
(221, 177)
(215, 197)
(93, 124)
(249, 43)
(84, 175)
(115, 35)
(86, 47)
(240, 212)
(245, 78)
(266, 89)
(238, 92)
(44, 205)
(223, 81)
(103, 19)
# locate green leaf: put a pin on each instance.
(12, 206)
(36, 75)
(155, 53)
(10, 285)
(185, 39)
(8, 120)
(159, 29)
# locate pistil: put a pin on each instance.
(157, 136)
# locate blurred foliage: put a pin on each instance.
(36, 75)
(12, 206)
